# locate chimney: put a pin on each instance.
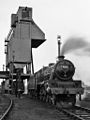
(60, 57)
(59, 44)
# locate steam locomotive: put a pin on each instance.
(55, 83)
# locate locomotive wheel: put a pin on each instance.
(41, 97)
(50, 100)
(41, 94)
(53, 99)
(74, 102)
(44, 98)
(47, 98)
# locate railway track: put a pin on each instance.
(5, 106)
(77, 113)
(72, 113)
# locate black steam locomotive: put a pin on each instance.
(55, 84)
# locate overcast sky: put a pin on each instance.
(55, 17)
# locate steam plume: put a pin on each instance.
(80, 47)
(74, 43)
(87, 50)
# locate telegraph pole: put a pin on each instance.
(13, 57)
(13, 64)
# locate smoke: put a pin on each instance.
(87, 50)
(79, 46)
(75, 43)
(82, 97)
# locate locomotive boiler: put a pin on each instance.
(55, 83)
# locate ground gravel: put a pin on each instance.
(31, 109)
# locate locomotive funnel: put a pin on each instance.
(59, 44)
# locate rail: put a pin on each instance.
(78, 113)
(7, 111)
